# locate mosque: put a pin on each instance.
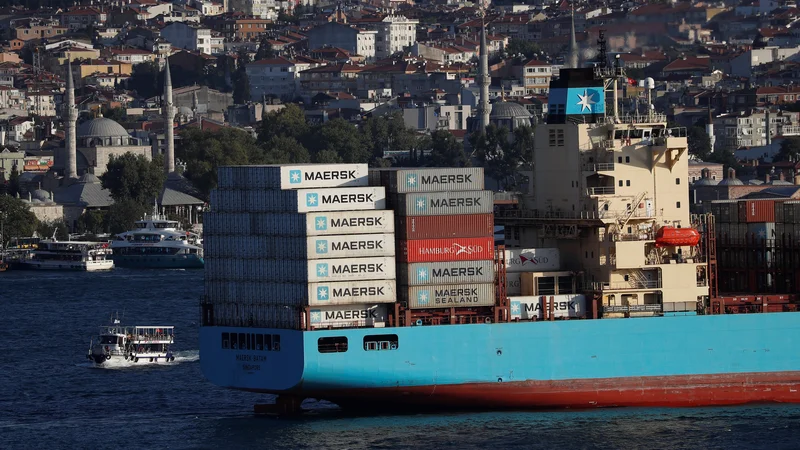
(73, 181)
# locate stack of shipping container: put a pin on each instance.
(305, 246)
(757, 245)
(445, 236)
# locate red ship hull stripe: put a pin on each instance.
(667, 391)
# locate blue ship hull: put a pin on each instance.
(668, 361)
(159, 261)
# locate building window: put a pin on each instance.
(620, 183)
(677, 181)
(627, 159)
(337, 344)
(380, 342)
(619, 159)
(627, 183)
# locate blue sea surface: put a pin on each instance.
(51, 397)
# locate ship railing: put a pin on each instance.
(632, 237)
(622, 285)
(599, 167)
(541, 214)
(637, 118)
(632, 308)
(601, 190)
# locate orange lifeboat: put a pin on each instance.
(676, 237)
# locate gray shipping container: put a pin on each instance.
(433, 180)
(443, 203)
(448, 295)
(419, 274)
(297, 176)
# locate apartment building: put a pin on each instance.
(355, 40)
(750, 129)
(188, 37)
(278, 77)
(395, 34)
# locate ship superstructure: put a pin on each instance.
(610, 193)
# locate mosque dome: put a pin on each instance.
(102, 131)
(101, 127)
(509, 115)
(41, 195)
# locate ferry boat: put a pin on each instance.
(66, 255)
(157, 243)
(138, 344)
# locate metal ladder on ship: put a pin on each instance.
(626, 216)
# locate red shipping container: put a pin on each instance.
(757, 211)
(443, 250)
(438, 227)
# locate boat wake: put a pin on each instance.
(182, 357)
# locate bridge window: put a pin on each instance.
(380, 342)
(226, 344)
(336, 344)
(234, 342)
(259, 342)
(276, 342)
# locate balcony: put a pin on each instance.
(624, 285)
(602, 190)
(599, 167)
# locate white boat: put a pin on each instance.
(158, 243)
(116, 344)
(51, 254)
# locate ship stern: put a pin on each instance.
(265, 360)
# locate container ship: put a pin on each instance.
(384, 289)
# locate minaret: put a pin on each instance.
(483, 108)
(710, 126)
(169, 121)
(572, 61)
(71, 117)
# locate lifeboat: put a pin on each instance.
(677, 237)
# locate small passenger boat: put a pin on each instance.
(116, 344)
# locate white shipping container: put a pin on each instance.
(350, 222)
(513, 284)
(532, 260)
(435, 179)
(349, 269)
(448, 295)
(444, 203)
(566, 305)
(352, 292)
(419, 274)
(337, 199)
(323, 176)
(349, 316)
(350, 246)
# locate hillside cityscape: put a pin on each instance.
(108, 108)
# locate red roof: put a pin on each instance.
(688, 63)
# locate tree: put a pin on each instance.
(327, 157)
(527, 48)
(115, 114)
(699, 143)
(265, 50)
(123, 213)
(17, 219)
(146, 79)
(446, 151)
(133, 177)
(57, 227)
(92, 221)
(388, 133)
(285, 150)
(13, 182)
(241, 85)
(341, 137)
(503, 155)
(288, 122)
(789, 151)
(204, 151)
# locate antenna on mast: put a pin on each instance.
(602, 47)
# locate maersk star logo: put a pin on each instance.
(421, 203)
(322, 246)
(312, 200)
(422, 274)
(515, 308)
(316, 316)
(423, 297)
(586, 100)
(322, 269)
(411, 179)
(322, 223)
(322, 293)
(295, 176)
